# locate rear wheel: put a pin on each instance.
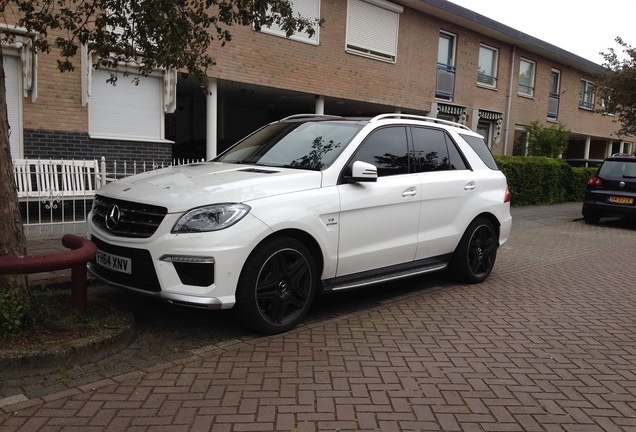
(591, 217)
(276, 287)
(475, 255)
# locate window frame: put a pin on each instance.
(452, 51)
(587, 87)
(529, 86)
(364, 18)
(490, 79)
(309, 9)
(554, 94)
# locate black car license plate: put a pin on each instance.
(621, 200)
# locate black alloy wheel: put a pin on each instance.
(476, 253)
(277, 286)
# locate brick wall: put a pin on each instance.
(76, 145)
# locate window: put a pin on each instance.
(487, 73)
(372, 29)
(387, 149)
(526, 78)
(309, 9)
(126, 111)
(480, 147)
(434, 151)
(445, 88)
(520, 144)
(607, 105)
(554, 96)
(484, 128)
(586, 95)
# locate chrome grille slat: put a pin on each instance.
(137, 220)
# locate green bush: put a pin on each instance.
(15, 313)
(534, 180)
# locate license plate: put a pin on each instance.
(114, 262)
(621, 200)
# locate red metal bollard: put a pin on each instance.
(82, 251)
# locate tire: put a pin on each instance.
(276, 287)
(591, 218)
(474, 258)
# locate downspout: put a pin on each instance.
(509, 107)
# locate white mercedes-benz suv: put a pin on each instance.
(304, 205)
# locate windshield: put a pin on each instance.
(303, 145)
(618, 169)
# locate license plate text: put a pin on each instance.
(114, 262)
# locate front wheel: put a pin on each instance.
(475, 255)
(276, 287)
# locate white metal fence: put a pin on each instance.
(56, 195)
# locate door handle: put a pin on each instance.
(410, 192)
(470, 186)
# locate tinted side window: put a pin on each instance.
(481, 149)
(430, 152)
(387, 149)
(456, 159)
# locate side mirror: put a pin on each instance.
(362, 172)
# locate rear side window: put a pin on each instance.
(482, 150)
(434, 151)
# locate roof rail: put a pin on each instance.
(300, 116)
(417, 117)
(622, 155)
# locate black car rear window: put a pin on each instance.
(618, 169)
(482, 150)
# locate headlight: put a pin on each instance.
(211, 218)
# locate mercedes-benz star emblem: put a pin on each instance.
(113, 217)
(621, 184)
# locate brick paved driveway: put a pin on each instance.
(547, 343)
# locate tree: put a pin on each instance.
(149, 34)
(617, 87)
(549, 141)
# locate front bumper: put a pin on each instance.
(200, 270)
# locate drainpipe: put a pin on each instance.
(509, 107)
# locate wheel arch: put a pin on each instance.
(492, 219)
(306, 239)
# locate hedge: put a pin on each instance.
(535, 180)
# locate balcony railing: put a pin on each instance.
(445, 81)
(553, 105)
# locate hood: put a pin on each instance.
(183, 187)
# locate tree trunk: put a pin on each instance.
(12, 240)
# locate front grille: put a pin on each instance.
(134, 219)
(143, 274)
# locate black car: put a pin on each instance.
(612, 190)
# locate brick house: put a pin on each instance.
(428, 57)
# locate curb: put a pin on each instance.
(81, 351)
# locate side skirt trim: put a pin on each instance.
(386, 274)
